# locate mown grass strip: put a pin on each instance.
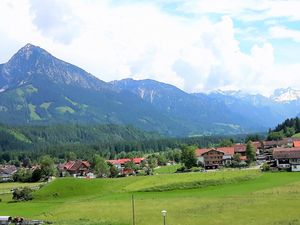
(198, 184)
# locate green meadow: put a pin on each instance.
(223, 197)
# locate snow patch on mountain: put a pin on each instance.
(285, 95)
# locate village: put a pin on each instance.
(274, 155)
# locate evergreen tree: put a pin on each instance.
(250, 152)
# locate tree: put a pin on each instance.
(71, 156)
(275, 135)
(237, 157)
(162, 160)
(253, 137)
(250, 152)
(188, 156)
(100, 166)
(23, 175)
(22, 194)
(226, 143)
(152, 163)
(47, 166)
(114, 172)
(36, 175)
(130, 165)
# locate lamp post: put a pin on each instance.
(164, 214)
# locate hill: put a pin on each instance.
(228, 197)
(41, 137)
(290, 127)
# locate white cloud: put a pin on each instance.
(247, 10)
(55, 19)
(278, 32)
(142, 41)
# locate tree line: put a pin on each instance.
(288, 128)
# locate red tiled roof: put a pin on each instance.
(201, 151)
(243, 158)
(239, 148)
(226, 150)
(270, 143)
(286, 153)
(256, 144)
(296, 144)
(69, 165)
(123, 161)
(75, 165)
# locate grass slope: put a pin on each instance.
(296, 135)
(270, 198)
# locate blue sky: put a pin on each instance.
(197, 45)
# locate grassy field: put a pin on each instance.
(224, 197)
(296, 135)
(167, 169)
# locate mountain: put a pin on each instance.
(32, 63)
(286, 95)
(38, 88)
(200, 113)
(265, 110)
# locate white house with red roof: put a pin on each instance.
(75, 168)
(120, 164)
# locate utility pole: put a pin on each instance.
(133, 212)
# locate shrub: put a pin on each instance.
(22, 194)
(23, 175)
(265, 167)
(36, 175)
(181, 169)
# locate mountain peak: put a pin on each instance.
(286, 95)
(34, 64)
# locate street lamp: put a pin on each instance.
(164, 214)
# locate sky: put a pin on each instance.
(196, 45)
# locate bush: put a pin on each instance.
(265, 167)
(22, 194)
(196, 169)
(23, 175)
(181, 169)
(36, 175)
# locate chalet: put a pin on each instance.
(215, 157)
(120, 165)
(241, 149)
(228, 154)
(75, 168)
(287, 158)
(7, 172)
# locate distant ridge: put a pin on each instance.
(38, 88)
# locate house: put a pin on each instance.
(7, 172)
(287, 158)
(75, 168)
(120, 164)
(241, 149)
(215, 157)
(228, 154)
